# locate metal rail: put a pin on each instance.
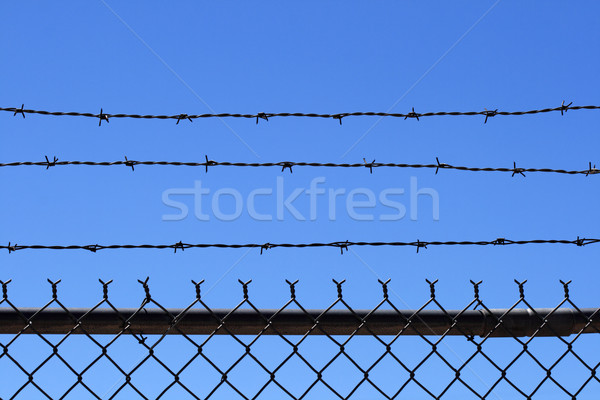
(105, 321)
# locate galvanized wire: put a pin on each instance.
(486, 365)
(102, 116)
(419, 244)
(591, 170)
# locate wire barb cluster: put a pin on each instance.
(377, 360)
(102, 116)
(591, 170)
(419, 244)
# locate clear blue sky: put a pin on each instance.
(153, 58)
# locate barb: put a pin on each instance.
(420, 245)
(183, 116)
(19, 111)
(489, 114)
(265, 247)
(592, 170)
(49, 163)
(342, 245)
(289, 164)
(92, 247)
(563, 108)
(516, 170)
(370, 165)
(102, 116)
(413, 114)
(130, 163)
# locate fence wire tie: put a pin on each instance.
(183, 116)
(265, 246)
(292, 288)
(141, 340)
(521, 288)
(565, 287)
(285, 165)
(19, 111)
(516, 170)
(102, 117)
(5, 288)
(105, 288)
(476, 293)
(343, 246)
(431, 287)
(489, 113)
(339, 287)
(197, 287)
(384, 287)
(92, 247)
(261, 115)
(51, 163)
(245, 287)
(412, 114)
(179, 245)
(144, 284)
(420, 245)
(564, 108)
(338, 117)
(369, 165)
(54, 290)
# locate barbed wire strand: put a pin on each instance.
(102, 116)
(592, 170)
(266, 246)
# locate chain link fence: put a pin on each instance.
(201, 352)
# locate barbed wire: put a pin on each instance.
(102, 116)
(592, 170)
(266, 246)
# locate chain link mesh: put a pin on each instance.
(411, 363)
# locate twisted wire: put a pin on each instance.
(591, 170)
(342, 245)
(102, 116)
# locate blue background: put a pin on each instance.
(329, 57)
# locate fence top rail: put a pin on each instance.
(517, 322)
